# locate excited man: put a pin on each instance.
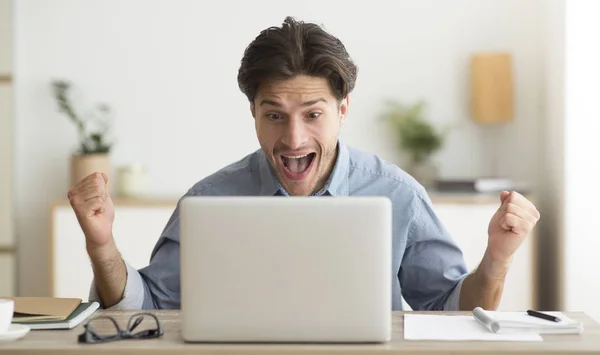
(297, 79)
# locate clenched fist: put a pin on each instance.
(510, 225)
(94, 209)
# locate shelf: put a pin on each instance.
(136, 202)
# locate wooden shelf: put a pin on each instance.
(436, 197)
(137, 202)
(469, 198)
(463, 197)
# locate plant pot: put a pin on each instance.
(84, 165)
(425, 173)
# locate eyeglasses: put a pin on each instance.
(103, 329)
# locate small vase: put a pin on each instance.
(425, 173)
(132, 181)
(84, 165)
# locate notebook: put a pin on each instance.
(521, 322)
(81, 312)
(35, 309)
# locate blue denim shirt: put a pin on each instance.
(428, 267)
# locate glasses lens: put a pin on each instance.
(103, 327)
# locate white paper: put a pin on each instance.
(455, 327)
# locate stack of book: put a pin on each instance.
(51, 312)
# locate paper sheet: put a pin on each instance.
(455, 327)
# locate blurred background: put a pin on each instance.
(469, 96)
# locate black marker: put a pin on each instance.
(543, 316)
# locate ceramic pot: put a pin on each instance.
(84, 165)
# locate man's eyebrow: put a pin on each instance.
(269, 102)
(312, 102)
(277, 104)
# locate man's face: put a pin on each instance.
(298, 123)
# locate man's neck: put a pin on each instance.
(328, 175)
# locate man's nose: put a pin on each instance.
(295, 135)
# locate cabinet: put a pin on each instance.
(139, 224)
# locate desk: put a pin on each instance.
(64, 342)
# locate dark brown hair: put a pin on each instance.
(296, 48)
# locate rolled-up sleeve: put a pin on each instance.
(133, 296)
(433, 266)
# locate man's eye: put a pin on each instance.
(273, 116)
(314, 115)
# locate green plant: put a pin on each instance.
(92, 127)
(416, 135)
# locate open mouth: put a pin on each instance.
(298, 164)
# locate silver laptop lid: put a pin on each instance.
(315, 269)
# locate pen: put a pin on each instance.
(543, 316)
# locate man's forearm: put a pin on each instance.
(483, 288)
(110, 273)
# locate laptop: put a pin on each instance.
(286, 269)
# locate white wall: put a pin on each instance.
(169, 69)
(582, 124)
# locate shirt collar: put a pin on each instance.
(336, 185)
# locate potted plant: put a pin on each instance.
(417, 137)
(93, 152)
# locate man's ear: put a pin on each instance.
(252, 110)
(344, 109)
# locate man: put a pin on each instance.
(297, 79)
